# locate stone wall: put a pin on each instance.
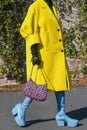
(76, 70)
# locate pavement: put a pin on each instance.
(41, 115)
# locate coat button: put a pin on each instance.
(58, 30)
(62, 50)
(60, 40)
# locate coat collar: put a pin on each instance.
(44, 5)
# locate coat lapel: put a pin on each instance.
(53, 14)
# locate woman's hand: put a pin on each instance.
(35, 54)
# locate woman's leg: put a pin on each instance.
(19, 111)
(61, 117)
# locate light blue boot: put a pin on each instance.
(19, 111)
(61, 117)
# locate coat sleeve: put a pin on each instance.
(29, 29)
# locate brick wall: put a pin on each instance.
(4, 81)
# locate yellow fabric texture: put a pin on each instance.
(42, 26)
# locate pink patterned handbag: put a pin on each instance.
(35, 91)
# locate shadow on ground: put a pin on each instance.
(79, 114)
(31, 122)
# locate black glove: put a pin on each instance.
(35, 55)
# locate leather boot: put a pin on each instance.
(61, 117)
(19, 111)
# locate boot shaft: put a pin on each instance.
(60, 99)
(27, 101)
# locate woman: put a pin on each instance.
(44, 47)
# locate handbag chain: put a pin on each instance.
(37, 72)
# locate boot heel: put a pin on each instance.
(14, 111)
(72, 123)
(60, 123)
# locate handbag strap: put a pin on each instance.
(43, 73)
(31, 71)
(44, 76)
(37, 72)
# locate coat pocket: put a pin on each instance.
(44, 35)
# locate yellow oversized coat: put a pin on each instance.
(42, 26)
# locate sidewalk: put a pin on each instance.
(41, 115)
